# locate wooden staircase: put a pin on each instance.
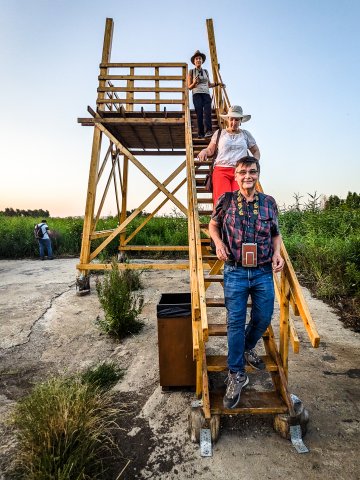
(251, 401)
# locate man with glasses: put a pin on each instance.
(244, 228)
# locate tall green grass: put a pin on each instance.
(17, 237)
(64, 428)
(325, 247)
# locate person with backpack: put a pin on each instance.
(199, 83)
(41, 232)
(228, 145)
(244, 227)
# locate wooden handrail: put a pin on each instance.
(112, 83)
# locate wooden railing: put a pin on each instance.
(198, 296)
(119, 91)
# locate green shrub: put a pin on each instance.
(121, 304)
(63, 430)
(104, 376)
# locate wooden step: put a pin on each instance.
(204, 225)
(205, 200)
(205, 211)
(201, 171)
(251, 402)
(218, 363)
(199, 163)
(217, 329)
(215, 302)
(214, 278)
(220, 302)
(201, 190)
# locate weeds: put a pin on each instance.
(121, 304)
(64, 428)
(104, 376)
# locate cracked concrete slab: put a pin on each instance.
(46, 329)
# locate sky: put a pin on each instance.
(293, 65)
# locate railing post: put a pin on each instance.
(157, 85)
(106, 53)
(130, 95)
(284, 321)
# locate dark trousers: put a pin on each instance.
(202, 104)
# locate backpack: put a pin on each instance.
(38, 231)
(225, 206)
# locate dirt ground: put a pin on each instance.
(46, 329)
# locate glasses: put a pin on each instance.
(237, 119)
(250, 172)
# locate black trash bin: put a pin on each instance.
(176, 364)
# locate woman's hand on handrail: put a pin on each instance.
(207, 152)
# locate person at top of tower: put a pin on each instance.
(234, 143)
(199, 83)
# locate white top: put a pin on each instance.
(203, 85)
(44, 229)
(232, 147)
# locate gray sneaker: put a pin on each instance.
(254, 360)
(235, 383)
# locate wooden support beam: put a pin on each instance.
(133, 121)
(104, 162)
(141, 167)
(141, 89)
(156, 248)
(142, 101)
(149, 217)
(90, 198)
(156, 153)
(104, 193)
(121, 227)
(140, 77)
(142, 65)
(134, 266)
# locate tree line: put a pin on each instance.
(16, 212)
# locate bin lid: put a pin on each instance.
(174, 305)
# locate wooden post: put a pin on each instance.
(130, 93)
(213, 57)
(95, 155)
(90, 199)
(106, 53)
(284, 321)
(157, 85)
(124, 198)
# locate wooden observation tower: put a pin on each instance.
(143, 109)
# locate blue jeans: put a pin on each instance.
(45, 242)
(202, 104)
(239, 283)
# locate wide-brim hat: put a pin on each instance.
(198, 54)
(236, 112)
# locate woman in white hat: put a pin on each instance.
(199, 83)
(234, 143)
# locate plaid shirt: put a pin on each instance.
(233, 226)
